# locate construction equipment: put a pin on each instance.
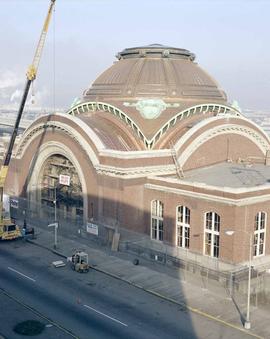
(79, 261)
(7, 229)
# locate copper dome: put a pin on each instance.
(155, 71)
(155, 91)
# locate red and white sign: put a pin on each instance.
(64, 180)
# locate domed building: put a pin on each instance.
(154, 147)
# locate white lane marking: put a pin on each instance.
(105, 315)
(12, 269)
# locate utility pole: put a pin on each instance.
(55, 224)
(247, 321)
(55, 200)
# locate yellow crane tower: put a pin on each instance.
(8, 230)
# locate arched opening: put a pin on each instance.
(66, 192)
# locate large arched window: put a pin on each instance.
(259, 234)
(182, 226)
(157, 208)
(211, 234)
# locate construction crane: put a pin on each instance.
(9, 230)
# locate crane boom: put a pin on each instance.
(31, 75)
(32, 70)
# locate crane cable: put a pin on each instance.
(54, 59)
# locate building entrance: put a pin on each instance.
(68, 197)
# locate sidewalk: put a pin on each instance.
(153, 278)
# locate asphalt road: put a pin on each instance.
(89, 305)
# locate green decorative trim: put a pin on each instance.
(150, 108)
(149, 144)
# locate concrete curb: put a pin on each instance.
(47, 248)
(183, 306)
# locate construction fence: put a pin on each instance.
(208, 273)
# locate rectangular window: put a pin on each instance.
(216, 246)
(160, 230)
(157, 209)
(187, 237)
(261, 247)
(154, 228)
(208, 243)
(154, 208)
(217, 222)
(183, 226)
(262, 224)
(212, 227)
(179, 236)
(255, 244)
(180, 214)
(187, 216)
(160, 214)
(259, 234)
(257, 222)
(208, 221)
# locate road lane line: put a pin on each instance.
(23, 275)
(105, 315)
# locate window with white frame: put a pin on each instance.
(211, 234)
(183, 226)
(259, 234)
(157, 208)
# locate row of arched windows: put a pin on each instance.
(211, 229)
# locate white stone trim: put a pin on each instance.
(208, 197)
(136, 154)
(38, 129)
(210, 120)
(225, 189)
(86, 128)
(247, 132)
(135, 172)
(267, 137)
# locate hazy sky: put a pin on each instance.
(230, 39)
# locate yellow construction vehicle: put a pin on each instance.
(9, 230)
(79, 261)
